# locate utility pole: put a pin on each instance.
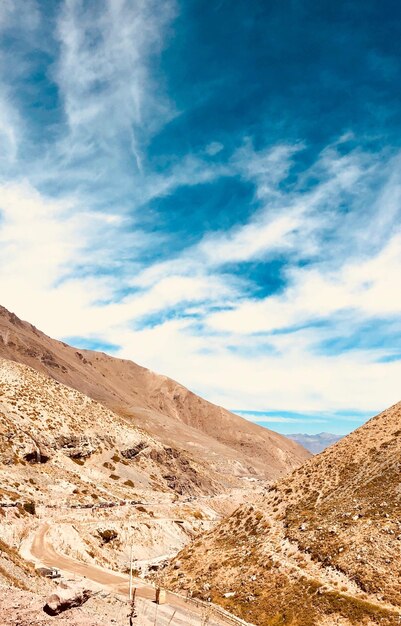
(130, 572)
(132, 591)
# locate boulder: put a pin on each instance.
(64, 599)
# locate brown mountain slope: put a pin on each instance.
(80, 486)
(323, 546)
(159, 405)
(70, 457)
(71, 442)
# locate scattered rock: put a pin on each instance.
(65, 599)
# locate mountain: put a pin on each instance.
(98, 455)
(63, 454)
(63, 437)
(315, 443)
(320, 547)
(230, 445)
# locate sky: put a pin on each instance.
(213, 190)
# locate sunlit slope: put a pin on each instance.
(161, 406)
(322, 545)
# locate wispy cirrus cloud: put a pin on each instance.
(109, 95)
(9, 132)
(281, 294)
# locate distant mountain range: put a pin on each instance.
(315, 443)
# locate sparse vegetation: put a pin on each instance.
(324, 543)
(108, 535)
(30, 507)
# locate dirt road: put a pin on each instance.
(184, 614)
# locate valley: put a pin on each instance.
(234, 537)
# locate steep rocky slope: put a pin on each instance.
(67, 458)
(79, 487)
(57, 433)
(323, 546)
(159, 405)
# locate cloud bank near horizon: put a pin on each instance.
(187, 214)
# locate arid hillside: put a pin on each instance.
(65, 457)
(80, 487)
(163, 408)
(321, 547)
(63, 438)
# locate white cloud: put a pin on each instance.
(36, 236)
(73, 270)
(13, 14)
(44, 242)
(294, 223)
(273, 419)
(367, 287)
(214, 148)
(103, 71)
(9, 130)
(255, 240)
(19, 13)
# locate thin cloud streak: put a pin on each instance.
(103, 72)
(88, 249)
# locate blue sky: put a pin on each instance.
(212, 189)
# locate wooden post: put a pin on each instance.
(161, 596)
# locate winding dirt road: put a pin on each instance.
(185, 614)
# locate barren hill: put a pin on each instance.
(80, 485)
(98, 483)
(70, 441)
(62, 453)
(159, 405)
(322, 547)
